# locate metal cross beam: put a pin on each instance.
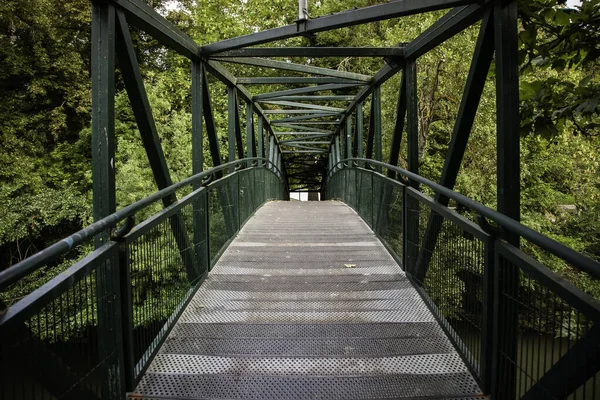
(318, 98)
(305, 117)
(291, 80)
(358, 16)
(308, 89)
(452, 23)
(150, 21)
(306, 111)
(301, 105)
(307, 69)
(315, 52)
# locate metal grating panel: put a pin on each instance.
(312, 287)
(309, 317)
(281, 317)
(299, 387)
(369, 347)
(308, 331)
(429, 364)
(272, 278)
(297, 296)
(202, 305)
(253, 269)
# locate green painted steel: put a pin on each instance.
(125, 295)
(472, 264)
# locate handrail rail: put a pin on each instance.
(30, 264)
(582, 262)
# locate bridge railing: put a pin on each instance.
(91, 331)
(523, 330)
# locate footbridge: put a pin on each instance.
(218, 287)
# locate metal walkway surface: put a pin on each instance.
(306, 303)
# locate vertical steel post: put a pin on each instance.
(508, 192)
(200, 208)
(302, 10)
(103, 112)
(197, 114)
(231, 120)
(399, 126)
(337, 151)
(271, 152)
(260, 134)
(359, 131)
(249, 132)
(377, 124)
(412, 205)
(103, 187)
(348, 137)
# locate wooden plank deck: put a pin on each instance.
(306, 303)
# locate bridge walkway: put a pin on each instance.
(306, 303)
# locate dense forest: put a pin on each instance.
(45, 146)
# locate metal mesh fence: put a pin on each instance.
(549, 338)
(524, 330)
(62, 341)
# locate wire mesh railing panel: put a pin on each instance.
(162, 272)
(62, 341)
(448, 259)
(223, 218)
(246, 195)
(549, 332)
(388, 197)
(364, 192)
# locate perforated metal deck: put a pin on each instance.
(306, 303)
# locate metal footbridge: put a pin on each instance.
(219, 287)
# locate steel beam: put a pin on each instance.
(307, 69)
(308, 89)
(197, 111)
(132, 77)
(226, 77)
(306, 123)
(371, 131)
(317, 98)
(147, 19)
(358, 140)
(454, 22)
(249, 132)
(238, 129)
(480, 66)
(412, 125)
(301, 105)
(291, 80)
(103, 112)
(348, 137)
(303, 111)
(449, 25)
(301, 127)
(399, 126)
(508, 190)
(358, 16)
(297, 142)
(303, 118)
(411, 222)
(507, 112)
(211, 128)
(231, 122)
(313, 52)
(260, 135)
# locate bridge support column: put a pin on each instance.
(411, 220)
(508, 182)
